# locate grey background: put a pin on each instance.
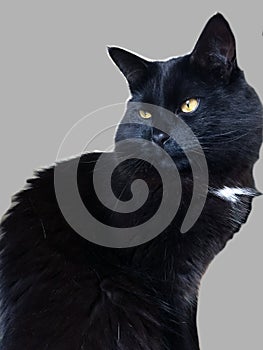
(55, 70)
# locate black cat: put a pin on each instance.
(60, 291)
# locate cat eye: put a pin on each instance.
(190, 105)
(144, 114)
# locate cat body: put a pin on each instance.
(61, 291)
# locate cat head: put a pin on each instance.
(206, 89)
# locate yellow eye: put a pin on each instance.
(144, 114)
(190, 105)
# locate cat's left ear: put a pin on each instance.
(133, 67)
(215, 50)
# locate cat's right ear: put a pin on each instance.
(133, 67)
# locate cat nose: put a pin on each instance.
(160, 137)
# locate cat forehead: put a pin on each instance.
(174, 71)
(172, 65)
(172, 77)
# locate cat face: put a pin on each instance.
(205, 89)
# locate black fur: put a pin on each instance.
(62, 292)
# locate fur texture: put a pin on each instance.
(62, 292)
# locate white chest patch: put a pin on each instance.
(231, 193)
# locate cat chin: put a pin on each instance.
(153, 153)
(167, 163)
(175, 158)
(181, 164)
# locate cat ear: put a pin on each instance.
(215, 50)
(133, 67)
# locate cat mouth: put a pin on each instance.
(173, 157)
(165, 156)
